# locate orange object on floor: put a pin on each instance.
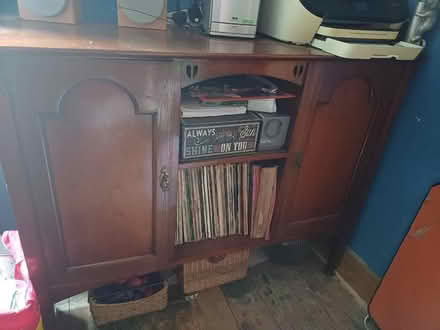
(409, 295)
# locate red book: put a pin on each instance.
(255, 190)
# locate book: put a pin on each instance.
(263, 105)
(255, 190)
(273, 174)
(189, 202)
(179, 238)
(201, 208)
(267, 227)
(220, 200)
(214, 200)
(245, 177)
(184, 208)
(264, 182)
(238, 171)
(209, 201)
(195, 201)
(194, 108)
(205, 203)
(231, 200)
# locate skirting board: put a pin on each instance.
(354, 273)
(358, 275)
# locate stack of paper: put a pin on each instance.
(197, 109)
(263, 105)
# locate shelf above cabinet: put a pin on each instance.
(243, 158)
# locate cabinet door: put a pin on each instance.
(341, 103)
(97, 146)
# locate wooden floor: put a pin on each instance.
(273, 296)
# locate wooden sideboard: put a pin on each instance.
(89, 120)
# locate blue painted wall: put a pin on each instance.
(7, 220)
(411, 164)
(8, 7)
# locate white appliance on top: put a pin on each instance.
(361, 29)
(232, 18)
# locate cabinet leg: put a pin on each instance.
(48, 316)
(335, 257)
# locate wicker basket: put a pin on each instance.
(207, 273)
(106, 313)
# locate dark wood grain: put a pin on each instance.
(193, 71)
(119, 41)
(94, 136)
(86, 138)
(340, 105)
(101, 163)
(337, 134)
(391, 89)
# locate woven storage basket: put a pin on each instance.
(106, 313)
(207, 273)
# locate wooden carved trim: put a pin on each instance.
(141, 104)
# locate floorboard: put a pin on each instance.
(248, 308)
(295, 295)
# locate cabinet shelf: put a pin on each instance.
(282, 95)
(307, 229)
(243, 158)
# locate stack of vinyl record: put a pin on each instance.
(212, 202)
(223, 200)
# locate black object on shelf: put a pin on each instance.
(133, 289)
(238, 86)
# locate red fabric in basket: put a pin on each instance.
(25, 317)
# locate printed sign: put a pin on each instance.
(219, 140)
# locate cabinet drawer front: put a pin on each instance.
(94, 135)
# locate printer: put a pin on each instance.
(348, 28)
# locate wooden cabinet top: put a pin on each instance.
(113, 40)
